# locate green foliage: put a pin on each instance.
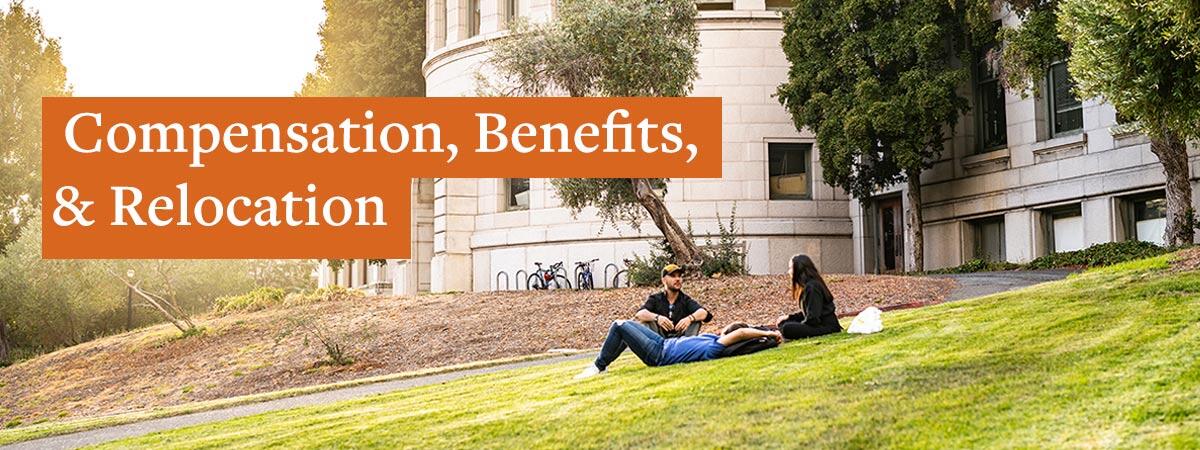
(728, 255)
(1032, 47)
(876, 83)
(271, 297)
(647, 271)
(1143, 57)
(52, 303)
(30, 68)
(1099, 255)
(614, 198)
(603, 48)
(370, 48)
(978, 265)
(1104, 358)
(256, 300)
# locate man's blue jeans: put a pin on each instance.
(644, 342)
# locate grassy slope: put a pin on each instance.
(1108, 358)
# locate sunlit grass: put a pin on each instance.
(1106, 358)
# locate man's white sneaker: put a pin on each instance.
(589, 372)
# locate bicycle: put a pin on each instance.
(583, 275)
(542, 279)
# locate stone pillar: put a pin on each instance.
(454, 208)
(1098, 221)
(1018, 236)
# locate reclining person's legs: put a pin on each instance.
(645, 343)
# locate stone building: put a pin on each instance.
(1022, 177)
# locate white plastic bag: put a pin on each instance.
(867, 322)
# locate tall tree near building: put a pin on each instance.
(875, 81)
(1144, 58)
(31, 67)
(370, 48)
(609, 48)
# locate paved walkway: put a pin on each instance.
(102, 435)
(971, 285)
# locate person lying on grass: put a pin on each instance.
(818, 314)
(654, 350)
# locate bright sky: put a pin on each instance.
(182, 48)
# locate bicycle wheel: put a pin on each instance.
(586, 281)
(562, 281)
(535, 282)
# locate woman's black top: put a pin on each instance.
(819, 310)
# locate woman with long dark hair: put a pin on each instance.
(817, 315)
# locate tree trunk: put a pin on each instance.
(914, 232)
(4, 353)
(680, 242)
(1172, 153)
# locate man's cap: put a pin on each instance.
(671, 268)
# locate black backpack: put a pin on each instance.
(749, 346)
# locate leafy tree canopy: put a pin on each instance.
(30, 68)
(370, 48)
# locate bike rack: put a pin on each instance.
(517, 283)
(615, 267)
(502, 275)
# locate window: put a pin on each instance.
(788, 168)
(472, 18)
(1064, 228)
(780, 4)
(989, 238)
(510, 11)
(517, 193)
(714, 5)
(1066, 111)
(989, 103)
(1150, 220)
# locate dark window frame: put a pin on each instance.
(806, 148)
(510, 196)
(474, 17)
(986, 79)
(1052, 103)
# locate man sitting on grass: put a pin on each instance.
(672, 313)
(654, 350)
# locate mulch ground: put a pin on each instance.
(1186, 260)
(250, 353)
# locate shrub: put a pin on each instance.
(646, 271)
(978, 265)
(340, 345)
(728, 255)
(325, 294)
(1099, 255)
(258, 299)
(268, 297)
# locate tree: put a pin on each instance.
(1144, 58)
(608, 48)
(32, 68)
(370, 48)
(874, 79)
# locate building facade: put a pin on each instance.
(1023, 176)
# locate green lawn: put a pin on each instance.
(1110, 358)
